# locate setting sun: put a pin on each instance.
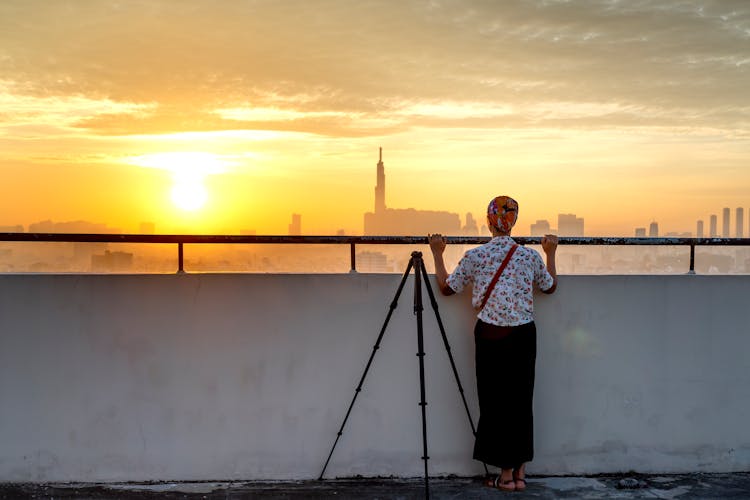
(189, 195)
(189, 170)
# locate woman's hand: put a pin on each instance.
(437, 243)
(549, 243)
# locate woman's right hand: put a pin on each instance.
(549, 243)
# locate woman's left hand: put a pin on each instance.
(437, 243)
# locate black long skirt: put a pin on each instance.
(505, 364)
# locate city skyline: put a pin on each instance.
(232, 116)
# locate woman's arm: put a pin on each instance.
(549, 245)
(437, 245)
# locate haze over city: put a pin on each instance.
(219, 117)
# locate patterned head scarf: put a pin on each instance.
(502, 213)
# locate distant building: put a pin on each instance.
(112, 261)
(470, 228)
(373, 262)
(405, 222)
(699, 229)
(653, 230)
(11, 229)
(295, 228)
(740, 216)
(725, 223)
(640, 232)
(540, 228)
(713, 231)
(80, 226)
(569, 225)
(380, 184)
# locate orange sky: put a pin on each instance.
(620, 112)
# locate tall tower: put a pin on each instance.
(713, 232)
(380, 186)
(740, 222)
(699, 229)
(725, 223)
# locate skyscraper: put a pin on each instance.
(295, 228)
(725, 223)
(569, 225)
(540, 228)
(409, 221)
(471, 228)
(640, 232)
(740, 216)
(699, 229)
(712, 227)
(380, 185)
(653, 230)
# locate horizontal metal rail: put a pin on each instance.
(181, 239)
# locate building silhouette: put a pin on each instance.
(653, 230)
(540, 228)
(471, 228)
(569, 225)
(380, 184)
(713, 231)
(112, 261)
(725, 223)
(699, 229)
(386, 221)
(295, 228)
(740, 222)
(640, 232)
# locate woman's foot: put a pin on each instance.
(503, 482)
(519, 477)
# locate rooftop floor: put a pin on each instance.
(684, 486)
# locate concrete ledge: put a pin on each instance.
(193, 377)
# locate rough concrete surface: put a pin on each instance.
(703, 486)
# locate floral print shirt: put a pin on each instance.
(511, 303)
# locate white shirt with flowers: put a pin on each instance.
(511, 302)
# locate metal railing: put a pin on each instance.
(352, 241)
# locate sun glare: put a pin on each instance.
(189, 195)
(189, 170)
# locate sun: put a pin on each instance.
(189, 171)
(189, 195)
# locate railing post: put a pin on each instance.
(180, 259)
(692, 258)
(352, 258)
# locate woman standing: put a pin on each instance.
(503, 275)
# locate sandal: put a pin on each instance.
(507, 485)
(520, 484)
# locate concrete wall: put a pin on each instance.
(167, 377)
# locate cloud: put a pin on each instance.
(345, 68)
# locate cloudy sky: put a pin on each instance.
(218, 116)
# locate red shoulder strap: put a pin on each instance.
(497, 275)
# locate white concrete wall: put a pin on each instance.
(166, 377)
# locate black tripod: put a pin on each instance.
(420, 273)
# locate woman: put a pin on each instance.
(505, 337)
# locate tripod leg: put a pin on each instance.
(417, 257)
(375, 348)
(423, 271)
